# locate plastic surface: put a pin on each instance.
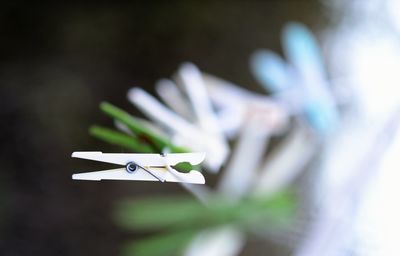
(158, 165)
(194, 177)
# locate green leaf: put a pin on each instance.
(120, 139)
(139, 130)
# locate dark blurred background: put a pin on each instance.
(59, 61)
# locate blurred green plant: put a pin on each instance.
(181, 218)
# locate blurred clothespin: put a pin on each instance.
(286, 161)
(174, 98)
(233, 105)
(260, 123)
(300, 83)
(204, 134)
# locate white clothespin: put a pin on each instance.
(146, 167)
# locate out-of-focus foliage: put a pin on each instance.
(181, 218)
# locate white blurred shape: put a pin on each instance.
(393, 9)
(376, 68)
(380, 208)
(285, 163)
(172, 96)
(225, 241)
(198, 95)
(242, 170)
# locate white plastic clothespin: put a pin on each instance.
(145, 167)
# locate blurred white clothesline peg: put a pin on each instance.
(300, 83)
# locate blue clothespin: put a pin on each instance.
(303, 73)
